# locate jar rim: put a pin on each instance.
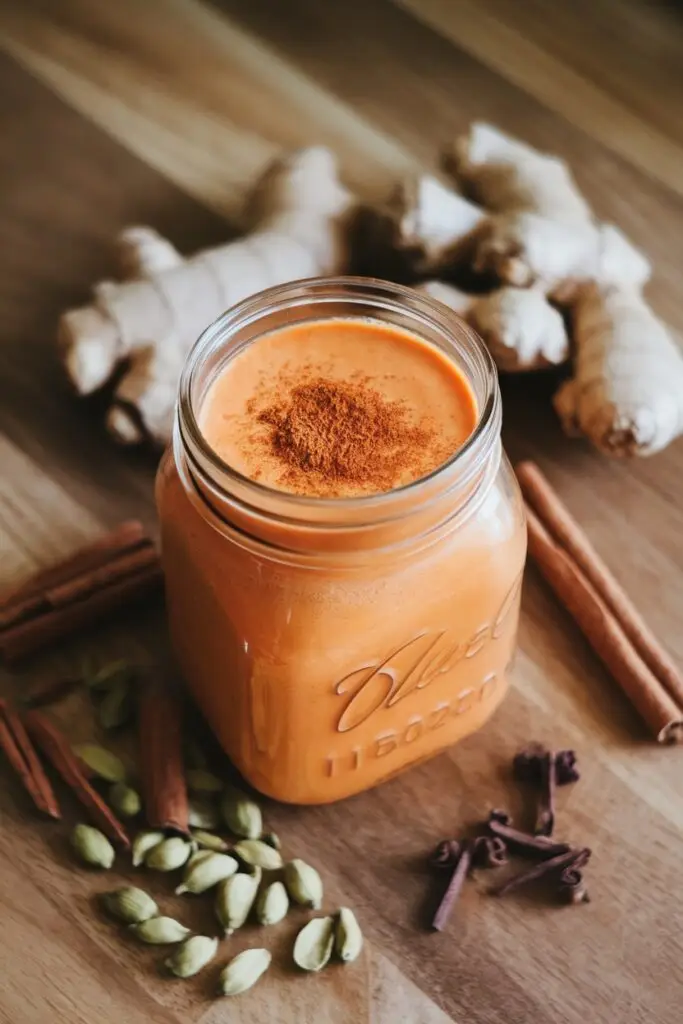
(312, 293)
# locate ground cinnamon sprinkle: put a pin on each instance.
(345, 433)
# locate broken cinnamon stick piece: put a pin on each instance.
(571, 887)
(23, 759)
(604, 633)
(489, 852)
(531, 844)
(161, 757)
(546, 769)
(57, 751)
(557, 519)
(457, 857)
(574, 858)
(546, 811)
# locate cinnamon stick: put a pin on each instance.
(22, 757)
(550, 509)
(26, 638)
(79, 586)
(161, 757)
(124, 537)
(605, 634)
(57, 751)
(52, 692)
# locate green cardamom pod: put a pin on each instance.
(143, 843)
(101, 762)
(348, 938)
(272, 839)
(116, 707)
(168, 855)
(108, 675)
(313, 945)
(258, 854)
(205, 872)
(92, 847)
(234, 900)
(244, 971)
(129, 904)
(241, 815)
(208, 841)
(202, 813)
(304, 884)
(195, 953)
(197, 856)
(272, 904)
(160, 931)
(199, 780)
(124, 800)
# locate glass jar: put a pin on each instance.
(331, 643)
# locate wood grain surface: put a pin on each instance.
(162, 113)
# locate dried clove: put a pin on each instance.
(541, 847)
(458, 856)
(546, 770)
(573, 858)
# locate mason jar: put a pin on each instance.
(333, 642)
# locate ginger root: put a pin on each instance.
(300, 213)
(423, 227)
(523, 248)
(142, 252)
(626, 393)
(520, 327)
(542, 229)
(508, 176)
(433, 221)
(533, 246)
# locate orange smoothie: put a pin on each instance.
(342, 585)
(436, 404)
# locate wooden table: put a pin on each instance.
(161, 112)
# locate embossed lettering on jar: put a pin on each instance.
(339, 619)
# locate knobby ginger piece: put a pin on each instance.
(509, 176)
(523, 248)
(423, 227)
(522, 330)
(626, 395)
(543, 229)
(300, 213)
(435, 220)
(520, 327)
(143, 252)
(460, 302)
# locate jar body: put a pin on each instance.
(322, 677)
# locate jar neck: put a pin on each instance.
(297, 523)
